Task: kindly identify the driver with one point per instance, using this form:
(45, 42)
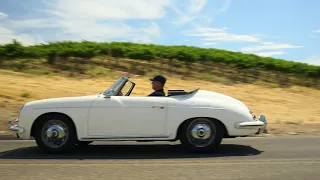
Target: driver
(158, 83)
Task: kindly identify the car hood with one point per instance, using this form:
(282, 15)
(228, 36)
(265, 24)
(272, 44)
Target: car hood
(64, 102)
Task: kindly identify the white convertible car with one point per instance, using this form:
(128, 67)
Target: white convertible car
(200, 119)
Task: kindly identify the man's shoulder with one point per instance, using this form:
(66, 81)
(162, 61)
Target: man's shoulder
(157, 93)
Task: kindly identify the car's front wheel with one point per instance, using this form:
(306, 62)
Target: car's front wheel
(55, 134)
(201, 135)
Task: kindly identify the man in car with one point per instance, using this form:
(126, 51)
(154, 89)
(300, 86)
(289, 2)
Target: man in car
(158, 83)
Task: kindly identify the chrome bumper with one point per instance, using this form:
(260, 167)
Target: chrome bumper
(260, 123)
(15, 127)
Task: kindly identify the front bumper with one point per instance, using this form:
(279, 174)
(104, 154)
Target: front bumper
(260, 124)
(14, 127)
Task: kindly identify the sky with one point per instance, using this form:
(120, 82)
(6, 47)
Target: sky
(286, 29)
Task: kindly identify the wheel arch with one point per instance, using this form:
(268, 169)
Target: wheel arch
(226, 133)
(40, 117)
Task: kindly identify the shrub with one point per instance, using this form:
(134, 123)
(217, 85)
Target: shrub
(87, 49)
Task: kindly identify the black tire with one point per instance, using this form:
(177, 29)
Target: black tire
(70, 137)
(211, 143)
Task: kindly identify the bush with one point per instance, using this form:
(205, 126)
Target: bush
(13, 50)
(87, 49)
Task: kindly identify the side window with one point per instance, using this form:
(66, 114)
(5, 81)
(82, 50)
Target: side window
(127, 89)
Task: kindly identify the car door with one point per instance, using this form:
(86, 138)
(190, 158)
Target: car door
(128, 117)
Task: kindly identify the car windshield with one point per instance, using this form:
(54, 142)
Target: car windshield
(115, 87)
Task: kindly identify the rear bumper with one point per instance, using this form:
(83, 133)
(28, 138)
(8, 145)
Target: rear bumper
(259, 124)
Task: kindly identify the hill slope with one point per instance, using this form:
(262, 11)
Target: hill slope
(31, 73)
(207, 64)
(287, 109)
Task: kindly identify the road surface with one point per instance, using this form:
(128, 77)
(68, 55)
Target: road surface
(273, 158)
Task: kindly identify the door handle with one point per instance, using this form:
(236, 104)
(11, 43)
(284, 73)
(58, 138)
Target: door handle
(161, 107)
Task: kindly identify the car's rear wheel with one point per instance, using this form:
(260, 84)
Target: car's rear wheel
(55, 134)
(201, 135)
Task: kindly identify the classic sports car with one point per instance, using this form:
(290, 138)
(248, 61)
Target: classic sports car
(200, 119)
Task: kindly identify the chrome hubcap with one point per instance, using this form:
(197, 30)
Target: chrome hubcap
(55, 133)
(202, 133)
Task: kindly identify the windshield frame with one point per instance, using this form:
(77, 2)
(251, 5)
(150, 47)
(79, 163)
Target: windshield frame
(116, 87)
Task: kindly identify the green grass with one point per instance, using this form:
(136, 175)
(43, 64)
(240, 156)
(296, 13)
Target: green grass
(25, 95)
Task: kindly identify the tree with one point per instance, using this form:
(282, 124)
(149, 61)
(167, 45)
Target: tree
(13, 50)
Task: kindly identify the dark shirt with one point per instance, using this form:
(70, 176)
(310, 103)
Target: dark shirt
(158, 93)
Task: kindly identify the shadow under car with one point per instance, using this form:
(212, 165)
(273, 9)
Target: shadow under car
(145, 151)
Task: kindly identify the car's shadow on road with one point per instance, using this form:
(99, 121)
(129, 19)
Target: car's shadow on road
(153, 151)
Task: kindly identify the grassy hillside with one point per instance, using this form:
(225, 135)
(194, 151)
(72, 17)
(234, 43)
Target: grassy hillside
(288, 109)
(269, 86)
(90, 58)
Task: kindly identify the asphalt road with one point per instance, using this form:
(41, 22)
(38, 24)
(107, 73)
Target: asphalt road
(241, 158)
